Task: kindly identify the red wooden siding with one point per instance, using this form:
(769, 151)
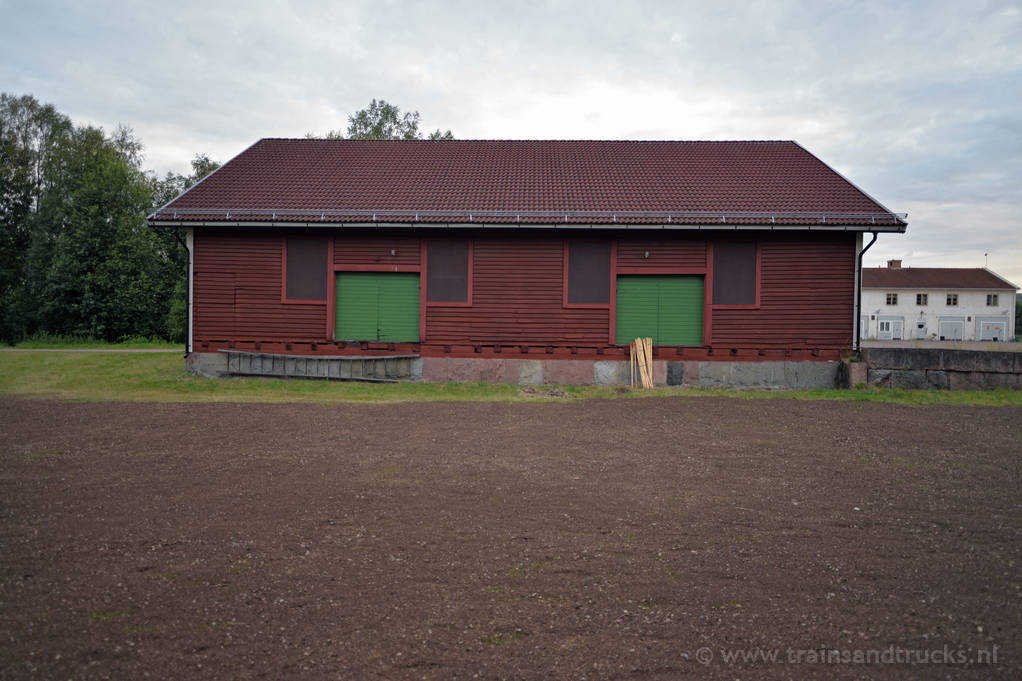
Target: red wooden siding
(806, 289)
(237, 288)
(375, 250)
(675, 252)
(213, 300)
(806, 296)
(517, 296)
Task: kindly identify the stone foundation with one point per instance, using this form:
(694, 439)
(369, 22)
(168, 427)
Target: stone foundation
(911, 368)
(208, 364)
(774, 374)
(614, 372)
(923, 368)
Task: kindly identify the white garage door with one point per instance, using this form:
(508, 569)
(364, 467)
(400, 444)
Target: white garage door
(992, 328)
(951, 329)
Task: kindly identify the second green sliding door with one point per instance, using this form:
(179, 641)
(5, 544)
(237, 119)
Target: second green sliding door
(666, 308)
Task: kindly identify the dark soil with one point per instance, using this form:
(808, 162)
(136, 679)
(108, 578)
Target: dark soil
(590, 539)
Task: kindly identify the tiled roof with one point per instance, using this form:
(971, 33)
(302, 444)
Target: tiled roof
(932, 277)
(526, 181)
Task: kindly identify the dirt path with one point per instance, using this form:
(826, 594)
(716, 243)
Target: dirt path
(598, 540)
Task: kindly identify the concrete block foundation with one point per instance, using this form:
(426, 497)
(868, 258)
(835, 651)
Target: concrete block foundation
(616, 372)
(208, 364)
(530, 371)
(775, 374)
(608, 372)
(450, 369)
(922, 368)
(568, 372)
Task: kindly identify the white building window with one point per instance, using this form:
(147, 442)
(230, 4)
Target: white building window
(892, 298)
(922, 298)
(991, 300)
(952, 299)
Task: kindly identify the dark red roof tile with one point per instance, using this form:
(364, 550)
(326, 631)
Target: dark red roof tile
(932, 277)
(452, 178)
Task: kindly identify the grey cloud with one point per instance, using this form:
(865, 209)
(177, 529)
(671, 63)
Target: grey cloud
(917, 102)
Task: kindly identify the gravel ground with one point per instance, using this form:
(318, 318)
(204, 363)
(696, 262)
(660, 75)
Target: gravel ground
(620, 539)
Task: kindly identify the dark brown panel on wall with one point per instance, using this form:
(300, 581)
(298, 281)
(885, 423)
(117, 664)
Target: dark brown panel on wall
(306, 269)
(588, 271)
(447, 271)
(734, 273)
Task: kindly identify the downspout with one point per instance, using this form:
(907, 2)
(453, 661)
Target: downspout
(858, 294)
(188, 291)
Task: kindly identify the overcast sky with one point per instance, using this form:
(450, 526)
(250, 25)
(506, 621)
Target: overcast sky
(918, 103)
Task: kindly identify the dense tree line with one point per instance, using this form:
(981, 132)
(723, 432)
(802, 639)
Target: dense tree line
(76, 254)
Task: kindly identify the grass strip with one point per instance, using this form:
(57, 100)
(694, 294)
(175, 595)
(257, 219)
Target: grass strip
(134, 377)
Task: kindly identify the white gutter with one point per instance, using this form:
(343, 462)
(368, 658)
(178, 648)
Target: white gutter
(717, 227)
(190, 241)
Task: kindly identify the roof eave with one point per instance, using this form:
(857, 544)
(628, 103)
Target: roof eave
(673, 226)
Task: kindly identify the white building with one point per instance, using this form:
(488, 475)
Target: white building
(929, 303)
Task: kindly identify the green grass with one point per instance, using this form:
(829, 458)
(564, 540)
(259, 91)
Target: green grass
(49, 341)
(104, 615)
(160, 377)
(44, 454)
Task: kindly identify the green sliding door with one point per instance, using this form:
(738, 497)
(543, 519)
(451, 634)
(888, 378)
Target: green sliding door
(666, 308)
(377, 306)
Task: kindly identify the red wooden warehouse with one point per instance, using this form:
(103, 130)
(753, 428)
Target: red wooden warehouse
(524, 261)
